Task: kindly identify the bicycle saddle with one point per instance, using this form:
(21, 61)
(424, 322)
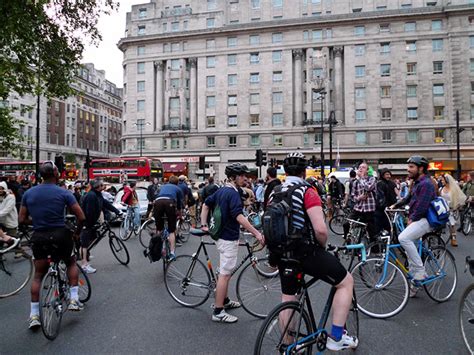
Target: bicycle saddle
(198, 232)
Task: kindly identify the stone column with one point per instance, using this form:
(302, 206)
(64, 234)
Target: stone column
(193, 94)
(298, 89)
(158, 123)
(166, 100)
(338, 85)
(308, 85)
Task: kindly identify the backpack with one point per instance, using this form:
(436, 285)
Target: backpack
(280, 234)
(438, 213)
(379, 196)
(191, 199)
(155, 247)
(215, 223)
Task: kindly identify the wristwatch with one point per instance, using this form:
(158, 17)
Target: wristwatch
(203, 225)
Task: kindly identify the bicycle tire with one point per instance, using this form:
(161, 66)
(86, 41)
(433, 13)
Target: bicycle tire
(370, 299)
(184, 228)
(51, 306)
(15, 273)
(124, 229)
(466, 317)
(119, 249)
(467, 222)
(270, 336)
(184, 290)
(336, 224)
(258, 294)
(443, 288)
(432, 239)
(84, 284)
(147, 229)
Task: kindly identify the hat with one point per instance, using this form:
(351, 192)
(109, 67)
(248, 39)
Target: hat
(4, 185)
(384, 171)
(182, 178)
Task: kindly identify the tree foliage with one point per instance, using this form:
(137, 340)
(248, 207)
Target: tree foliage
(41, 45)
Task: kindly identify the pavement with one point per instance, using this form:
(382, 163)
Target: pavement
(131, 312)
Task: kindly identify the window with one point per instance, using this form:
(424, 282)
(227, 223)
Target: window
(210, 62)
(210, 101)
(359, 49)
(255, 4)
(232, 100)
(385, 48)
(174, 83)
(211, 121)
(254, 58)
(277, 119)
(412, 113)
(317, 35)
(185, 25)
(361, 138)
(438, 113)
(277, 140)
(305, 35)
(254, 99)
(472, 87)
(165, 27)
(211, 142)
(142, 13)
(48, 137)
(438, 89)
(210, 81)
(254, 140)
(231, 41)
(471, 41)
(412, 137)
(232, 121)
(140, 68)
(277, 76)
(411, 46)
(360, 115)
(316, 116)
(438, 67)
(277, 37)
(140, 50)
(277, 98)
(277, 3)
(436, 25)
(317, 138)
(211, 22)
(359, 30)
(140, 86)
(174, 122)
(141, 30)
(232, 79)
(411, 90)
(385, 91)
(410, 26)
(386, 136)
(411, 68)
(254, 78)
(210, 44)
(384, 28)
(360, 71)
(276, 56)
(437, 45)
(254, 120)
(175, 64)
(385, 69)
(174, 26)
(386, 114)
(254, 39)
(140, 105)
(440, 135)
(471, 65)
(231, 59)
(360, 93)
(232, 141)
(174, 103)
(211, 4)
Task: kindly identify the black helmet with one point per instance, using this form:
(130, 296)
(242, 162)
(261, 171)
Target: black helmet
(418, 160)
(235, 169)
(295, 163)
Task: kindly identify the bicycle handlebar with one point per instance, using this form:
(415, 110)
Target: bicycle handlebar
(336, 248)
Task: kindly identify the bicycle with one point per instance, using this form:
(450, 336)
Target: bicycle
(466, 218)
(16, 269)
(291, 328)
(336, 223)
(383, 281)
(190, 283)
(357, 235)
(149, 232)
(466, 310)
(128, 227)
(183, 225)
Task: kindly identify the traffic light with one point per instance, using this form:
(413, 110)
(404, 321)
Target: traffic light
(264, 159)
(59, 162)
(87, 164)
(202, 163)
(259, 157)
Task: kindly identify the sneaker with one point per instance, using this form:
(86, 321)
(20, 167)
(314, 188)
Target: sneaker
(454, 242)
(34, 322)
(420, 275)
(346, 342)
(179, 242)
(172, 257)
(413, 290)
(75, 306)
(89, 269)
(224, 317)
(232, 304)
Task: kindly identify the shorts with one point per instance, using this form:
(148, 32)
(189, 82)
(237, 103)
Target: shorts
(319, 263)
(228, 250)
(87, 237)
(55, 242)
(165, 207)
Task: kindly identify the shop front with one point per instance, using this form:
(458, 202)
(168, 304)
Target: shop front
(176, 169)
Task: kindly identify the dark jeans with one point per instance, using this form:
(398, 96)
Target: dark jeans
(364, 217)
(381, 222)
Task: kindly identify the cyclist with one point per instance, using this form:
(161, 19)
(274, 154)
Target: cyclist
(310, 252)
(169, 202)
(468, 189)
(387, 196)
(348, 186)
(271, 181)
(151, 194)
(8, 211)
(46, 203)
(335, 192)
(230, 203)
(130, 198)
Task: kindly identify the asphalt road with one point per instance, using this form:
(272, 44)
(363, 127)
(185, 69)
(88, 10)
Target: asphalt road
(131, 312)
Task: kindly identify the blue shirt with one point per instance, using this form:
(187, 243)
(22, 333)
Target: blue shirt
(46, 204)
(173, 192)
(228, 198)
(184, 188)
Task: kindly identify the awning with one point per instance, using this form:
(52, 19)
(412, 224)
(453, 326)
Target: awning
(174, 167)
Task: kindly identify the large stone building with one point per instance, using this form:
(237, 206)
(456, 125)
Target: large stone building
(91, 119)
(222, 78)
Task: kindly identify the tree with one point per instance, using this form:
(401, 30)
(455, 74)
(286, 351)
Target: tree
(41, 45)
(70, 158)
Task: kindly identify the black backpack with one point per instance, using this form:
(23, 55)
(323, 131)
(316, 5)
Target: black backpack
(379, 195)
(155, 247)
(191, 199)
(280, 235)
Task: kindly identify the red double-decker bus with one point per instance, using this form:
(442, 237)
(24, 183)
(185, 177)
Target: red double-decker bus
(134, 168)
(26, 170)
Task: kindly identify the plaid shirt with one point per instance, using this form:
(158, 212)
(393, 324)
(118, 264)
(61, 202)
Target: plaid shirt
(363, 193)
(422, 194)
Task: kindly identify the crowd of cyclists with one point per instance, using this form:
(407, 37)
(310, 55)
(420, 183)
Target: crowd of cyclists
(314, 200)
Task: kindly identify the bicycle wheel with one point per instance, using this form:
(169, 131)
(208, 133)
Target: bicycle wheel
(336, 224)
(380, 296)
(119, 249)
(184, 227)
(466, 317)
(432, 240)
(15, 273)
(188, 281)
(441, 262)
(84, 284)
(467, 222)
(126, 229)
(285, 325)
(51, 306)
(147, 230)
(258, 293)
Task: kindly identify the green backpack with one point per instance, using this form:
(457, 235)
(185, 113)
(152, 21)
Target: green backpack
(215, 223)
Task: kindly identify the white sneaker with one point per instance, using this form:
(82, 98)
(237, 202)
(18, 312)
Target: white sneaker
(89, 269)
(346, 342)
(224, 317)
(420, 275)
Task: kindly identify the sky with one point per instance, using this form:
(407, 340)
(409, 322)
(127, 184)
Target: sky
(107, 56)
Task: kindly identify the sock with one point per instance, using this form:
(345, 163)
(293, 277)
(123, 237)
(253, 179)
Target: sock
(35, 309)
(226, 300)
(336, 332)
(218, 310)
(74, 293)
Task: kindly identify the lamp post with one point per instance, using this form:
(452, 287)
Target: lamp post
(458, 148)
(140, 127)
(332, 121)
(318, 80)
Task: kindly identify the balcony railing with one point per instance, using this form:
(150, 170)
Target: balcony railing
(312, 123)
(182, 127)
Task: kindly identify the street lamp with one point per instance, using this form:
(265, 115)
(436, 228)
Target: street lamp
(140, 126)
(318, 80)
(458, 148)
(331, 121)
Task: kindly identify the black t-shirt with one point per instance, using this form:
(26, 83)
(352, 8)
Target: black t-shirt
(271, 185)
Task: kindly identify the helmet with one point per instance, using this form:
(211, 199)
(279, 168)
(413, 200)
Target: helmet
(295, 163)
(182, 178)
(418, 160)
(235, 169)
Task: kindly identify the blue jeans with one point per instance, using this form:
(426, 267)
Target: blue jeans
(136, 220)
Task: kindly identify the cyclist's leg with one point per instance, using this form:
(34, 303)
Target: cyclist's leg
(170, 211)
(87, 237)
(407, 239)
(136, 221)
(158, 214)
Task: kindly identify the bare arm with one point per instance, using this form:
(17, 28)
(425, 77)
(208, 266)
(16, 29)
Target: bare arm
(23, 216)
(80, 217)
(204, 213)
(317, 220)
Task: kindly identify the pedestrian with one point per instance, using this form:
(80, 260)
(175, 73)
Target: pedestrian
(209, 189)
(348, 187)
(130, 199)
(151, 194)
(386, 196)
(8, 211)
(455, 198)
(271, 181)
(25, 185)
(259, 194)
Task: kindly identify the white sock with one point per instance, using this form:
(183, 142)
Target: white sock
(35, 309)
(75, 293)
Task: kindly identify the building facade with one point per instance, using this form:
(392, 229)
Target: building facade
(222, 78)
(91, 119)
